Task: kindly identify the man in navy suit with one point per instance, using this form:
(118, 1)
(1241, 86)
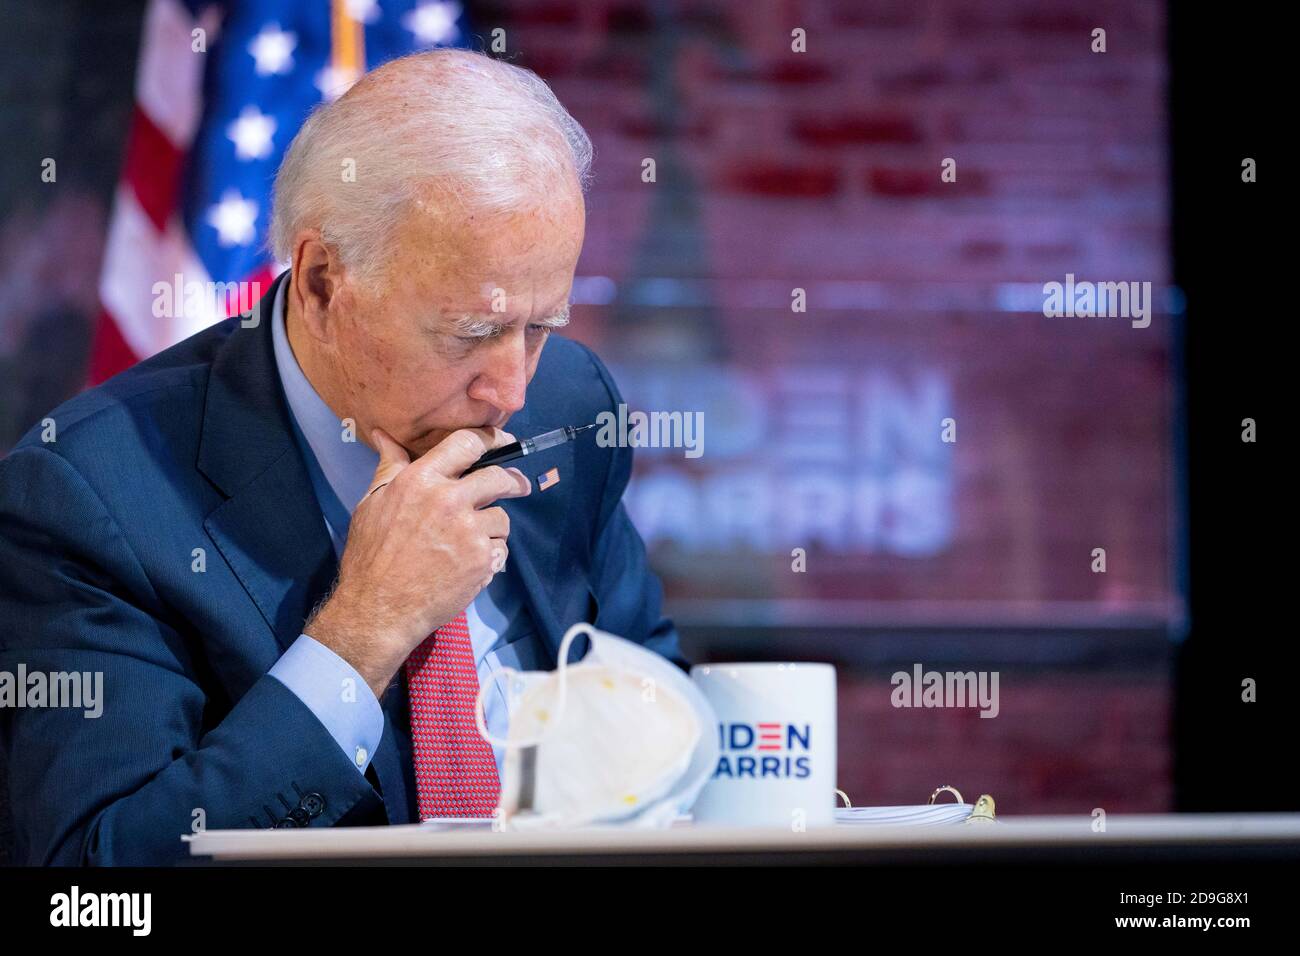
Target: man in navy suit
(260, 538)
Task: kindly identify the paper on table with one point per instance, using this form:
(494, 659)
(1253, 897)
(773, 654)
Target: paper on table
(922, 815)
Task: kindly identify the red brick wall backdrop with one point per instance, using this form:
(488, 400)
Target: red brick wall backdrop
(821, 170)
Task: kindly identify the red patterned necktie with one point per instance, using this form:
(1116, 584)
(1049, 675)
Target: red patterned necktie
(455, 771)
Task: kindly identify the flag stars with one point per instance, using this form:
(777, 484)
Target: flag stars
(251, 133)
(273, 50)
(234, 218)
(433, 23)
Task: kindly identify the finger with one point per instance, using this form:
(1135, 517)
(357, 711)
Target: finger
(494, 522)
(392, 459)
(451, 456)
(488, 484)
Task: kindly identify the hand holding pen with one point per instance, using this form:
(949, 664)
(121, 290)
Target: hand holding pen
(528, 446)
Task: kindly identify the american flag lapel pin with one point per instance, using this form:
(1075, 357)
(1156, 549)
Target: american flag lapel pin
(548, 479)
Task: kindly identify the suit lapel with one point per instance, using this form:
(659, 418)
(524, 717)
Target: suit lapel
(269, 529)
(537, 525)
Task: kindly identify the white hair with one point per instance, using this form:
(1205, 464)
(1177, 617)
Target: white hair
(486, 134)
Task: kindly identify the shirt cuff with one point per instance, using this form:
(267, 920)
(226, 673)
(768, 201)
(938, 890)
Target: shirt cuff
(338, 696)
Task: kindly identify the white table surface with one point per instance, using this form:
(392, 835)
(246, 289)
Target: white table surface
(415, 840)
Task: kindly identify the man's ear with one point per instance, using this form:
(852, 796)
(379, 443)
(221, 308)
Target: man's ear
(317, 281)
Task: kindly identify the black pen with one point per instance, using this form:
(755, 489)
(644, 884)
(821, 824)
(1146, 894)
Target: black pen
(527, 446)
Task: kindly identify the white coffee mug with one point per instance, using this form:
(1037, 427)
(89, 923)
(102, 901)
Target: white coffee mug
(776, 739)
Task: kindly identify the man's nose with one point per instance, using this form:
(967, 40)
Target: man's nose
(503, 380)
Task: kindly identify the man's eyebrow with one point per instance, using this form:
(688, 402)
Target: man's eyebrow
(472, 326)
(556, 320)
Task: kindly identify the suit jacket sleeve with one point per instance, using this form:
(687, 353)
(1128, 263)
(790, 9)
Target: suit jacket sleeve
(122, 788)
(629, 593)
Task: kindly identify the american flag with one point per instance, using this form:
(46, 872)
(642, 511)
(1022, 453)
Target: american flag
(221, 89)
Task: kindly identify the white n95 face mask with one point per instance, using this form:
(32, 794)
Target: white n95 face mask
(614, 738)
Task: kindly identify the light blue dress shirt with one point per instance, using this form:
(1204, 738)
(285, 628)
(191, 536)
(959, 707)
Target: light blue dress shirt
(341, 471)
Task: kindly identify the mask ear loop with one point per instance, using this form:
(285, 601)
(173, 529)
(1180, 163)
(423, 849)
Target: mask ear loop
(562, 670)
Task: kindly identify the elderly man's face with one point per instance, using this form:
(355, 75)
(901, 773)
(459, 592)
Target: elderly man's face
(411, 356)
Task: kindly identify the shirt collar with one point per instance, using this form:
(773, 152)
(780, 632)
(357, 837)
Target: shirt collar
(347, 466)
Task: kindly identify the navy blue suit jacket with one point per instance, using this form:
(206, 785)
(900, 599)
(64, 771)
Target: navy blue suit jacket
(194, 449)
